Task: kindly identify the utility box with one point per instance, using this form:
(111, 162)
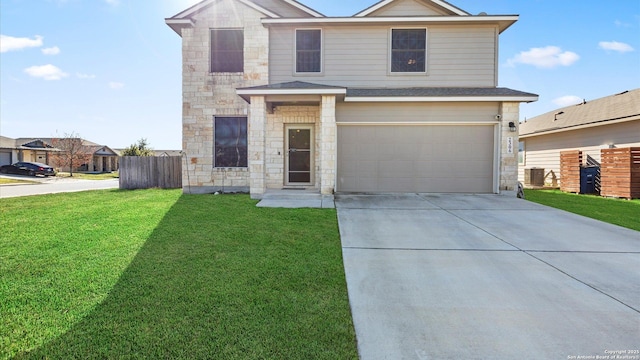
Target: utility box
(534, 177)
(589, 179)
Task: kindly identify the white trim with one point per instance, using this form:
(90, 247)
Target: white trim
(382, 4)
(196, 8)
(373, 8)
(450, 7)
(439, 98)
(418, 123)
(393, 20)
(497, 158)
(291, 91)
(306, 9)
(171, 21)
(295, 53)
(390, 50)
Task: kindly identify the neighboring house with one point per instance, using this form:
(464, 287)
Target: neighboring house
(25, 149)
(609, 122)
(401, 97)
(42, 149)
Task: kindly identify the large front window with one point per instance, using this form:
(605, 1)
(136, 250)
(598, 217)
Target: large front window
(408, 50)
(227, 50)
(308, 51)
(230, 149)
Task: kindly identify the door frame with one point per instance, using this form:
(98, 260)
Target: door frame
(312, 153)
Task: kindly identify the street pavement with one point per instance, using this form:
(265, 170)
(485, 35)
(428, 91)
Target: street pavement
(52, 185)
(449, 276)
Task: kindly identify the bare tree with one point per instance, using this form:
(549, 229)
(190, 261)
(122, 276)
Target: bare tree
(72, 151)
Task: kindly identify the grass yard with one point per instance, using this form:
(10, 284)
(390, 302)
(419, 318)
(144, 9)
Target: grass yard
(615, 211)
(158, 274)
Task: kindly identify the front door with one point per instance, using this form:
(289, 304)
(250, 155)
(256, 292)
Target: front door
(299, 153)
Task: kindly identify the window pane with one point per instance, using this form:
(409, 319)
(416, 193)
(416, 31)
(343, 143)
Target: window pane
(227, 50)
(408, 50)
(308, 50)
(230, 142)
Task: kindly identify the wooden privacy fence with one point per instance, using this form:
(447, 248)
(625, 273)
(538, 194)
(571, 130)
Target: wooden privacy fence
(144, 172)
(570, 164)
(620, 172)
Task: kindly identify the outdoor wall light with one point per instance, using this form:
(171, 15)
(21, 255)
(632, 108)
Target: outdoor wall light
(512, 126)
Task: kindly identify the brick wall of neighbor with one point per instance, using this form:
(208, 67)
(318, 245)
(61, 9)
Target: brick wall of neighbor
(509, 161)
(206, 95)
(275, 134)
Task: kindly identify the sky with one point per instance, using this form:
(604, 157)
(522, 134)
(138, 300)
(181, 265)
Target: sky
(110, 70)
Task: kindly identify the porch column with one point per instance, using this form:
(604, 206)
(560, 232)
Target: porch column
(90, 164)
(509, 147)
(328, 145)
(256, 143)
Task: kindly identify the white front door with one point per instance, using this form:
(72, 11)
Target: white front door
(299, 154)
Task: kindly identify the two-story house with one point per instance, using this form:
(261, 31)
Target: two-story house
(400, 97)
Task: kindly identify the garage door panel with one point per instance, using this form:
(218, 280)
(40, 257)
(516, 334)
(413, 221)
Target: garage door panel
(425, 158)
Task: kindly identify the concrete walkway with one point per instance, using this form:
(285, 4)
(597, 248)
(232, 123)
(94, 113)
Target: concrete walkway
(52, 185)
(296, 199)
(486, 277)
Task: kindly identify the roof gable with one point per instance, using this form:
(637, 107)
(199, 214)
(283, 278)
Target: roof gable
(620, 107)
(412, 8)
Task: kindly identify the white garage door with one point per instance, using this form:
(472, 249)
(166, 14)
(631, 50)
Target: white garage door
(429, 158)
(5, 158)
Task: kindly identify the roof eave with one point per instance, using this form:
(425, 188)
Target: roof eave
(178, 24)
(579, 127)
(504, 21)
(246, 94)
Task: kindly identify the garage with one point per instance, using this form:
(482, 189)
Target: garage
(5, 158)
(457, 158)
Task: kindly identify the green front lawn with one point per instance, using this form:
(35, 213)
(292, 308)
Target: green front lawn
(158, 274)
(615, 211)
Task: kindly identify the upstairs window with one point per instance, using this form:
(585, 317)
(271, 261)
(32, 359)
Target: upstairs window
(227, 50)
(408, 50)
(230, 149)
(308, 51)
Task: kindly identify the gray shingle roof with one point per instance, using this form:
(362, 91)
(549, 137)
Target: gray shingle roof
(622, 106)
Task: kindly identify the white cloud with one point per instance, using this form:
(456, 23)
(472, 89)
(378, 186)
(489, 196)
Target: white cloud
(116, 85)
(615, 46)
(47, 72)
(113, 2)
(85, 76)
(546, 57)
(10, 43)
(622, 24)
(51, 51)
(567, 100)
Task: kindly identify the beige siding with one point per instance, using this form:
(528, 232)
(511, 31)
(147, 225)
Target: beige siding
(544, 151)
(281, 8)
(359, 56)
(407, 8)
(416, 112)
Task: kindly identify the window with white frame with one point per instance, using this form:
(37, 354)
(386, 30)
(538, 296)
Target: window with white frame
(227, 50)
(408, 50)
(230, 148)
(308, 50)
(521, 153)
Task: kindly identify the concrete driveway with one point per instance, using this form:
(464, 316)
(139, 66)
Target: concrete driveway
(487, 277)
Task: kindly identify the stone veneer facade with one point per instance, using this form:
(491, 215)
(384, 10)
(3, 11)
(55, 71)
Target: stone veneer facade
(207, 94)
(509, 157)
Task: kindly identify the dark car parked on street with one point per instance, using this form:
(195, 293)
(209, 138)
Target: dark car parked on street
(28, 168)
